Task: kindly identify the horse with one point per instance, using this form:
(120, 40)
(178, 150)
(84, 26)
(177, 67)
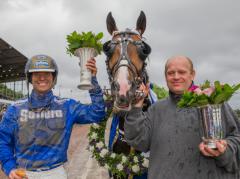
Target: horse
(126, 64)
(126, 61)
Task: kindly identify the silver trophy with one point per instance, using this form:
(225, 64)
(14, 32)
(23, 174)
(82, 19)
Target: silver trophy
(211, 124)
(85, 54)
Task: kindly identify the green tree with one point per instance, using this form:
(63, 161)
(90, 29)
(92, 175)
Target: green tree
(9, 93)
(161, 92)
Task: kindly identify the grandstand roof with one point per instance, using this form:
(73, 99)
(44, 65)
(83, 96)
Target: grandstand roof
(12, 63)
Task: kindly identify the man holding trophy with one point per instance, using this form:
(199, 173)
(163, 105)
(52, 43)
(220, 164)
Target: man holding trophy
(173, 135)
(35, 132)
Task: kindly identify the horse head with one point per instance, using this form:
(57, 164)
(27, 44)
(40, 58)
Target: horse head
(126, 61)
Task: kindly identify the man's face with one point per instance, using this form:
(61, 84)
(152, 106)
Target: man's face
(42, 81)
(179, 75)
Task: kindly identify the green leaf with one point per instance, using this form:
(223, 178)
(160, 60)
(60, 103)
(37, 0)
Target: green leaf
(86, 39)
(99, 36)
(237, 87)
(206, 84)
(160, 91)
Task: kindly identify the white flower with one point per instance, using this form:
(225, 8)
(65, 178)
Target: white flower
(106, 166)
(99, 145)
(113, 155)
(120, 167)
(103, 152)
(91, 148)
(124, 159)
(95, 126)
(145, 162)
(135, 159)
(135, 168)
(104, 97)
(94, 135)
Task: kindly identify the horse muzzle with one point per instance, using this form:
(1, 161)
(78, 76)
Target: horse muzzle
(123, 102)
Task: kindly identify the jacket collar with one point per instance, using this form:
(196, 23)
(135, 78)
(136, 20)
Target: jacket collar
(39, 101)
(175, 97)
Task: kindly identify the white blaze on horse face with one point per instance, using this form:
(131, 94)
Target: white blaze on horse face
(122, 78)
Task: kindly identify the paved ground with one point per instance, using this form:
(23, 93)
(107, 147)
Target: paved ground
(81, 165)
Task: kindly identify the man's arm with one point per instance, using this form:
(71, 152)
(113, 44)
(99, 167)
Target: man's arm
(7, 126)
(138, 128)
(231, 158)
(138, 125)
(93, 112)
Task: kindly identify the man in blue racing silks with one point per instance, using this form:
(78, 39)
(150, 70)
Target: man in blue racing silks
(35, 132)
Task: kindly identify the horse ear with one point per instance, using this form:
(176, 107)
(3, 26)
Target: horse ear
(111, 25)
(141, 23)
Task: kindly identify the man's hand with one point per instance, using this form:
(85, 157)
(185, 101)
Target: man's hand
(221, 148)
(91, 65)
(15, 174)
(142, 92)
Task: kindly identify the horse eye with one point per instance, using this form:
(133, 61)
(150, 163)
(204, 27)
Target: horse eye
(144, 50)
(108, 48)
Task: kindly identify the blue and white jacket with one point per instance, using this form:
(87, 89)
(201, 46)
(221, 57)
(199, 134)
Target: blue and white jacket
(35, 132)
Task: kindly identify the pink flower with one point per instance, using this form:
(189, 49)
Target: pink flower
(208, 91)
(198, 91)
(193, 87)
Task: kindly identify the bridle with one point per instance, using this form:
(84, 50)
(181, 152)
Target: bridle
(124, 39)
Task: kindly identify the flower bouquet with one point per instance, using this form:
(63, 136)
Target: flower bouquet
(209, 99)
(84, 46)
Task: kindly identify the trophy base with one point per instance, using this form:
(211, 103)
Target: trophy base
(85, 86)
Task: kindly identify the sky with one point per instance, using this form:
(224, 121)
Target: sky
(207, 31)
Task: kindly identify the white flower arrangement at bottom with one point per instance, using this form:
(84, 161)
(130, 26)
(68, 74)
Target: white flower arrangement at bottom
(119, 165)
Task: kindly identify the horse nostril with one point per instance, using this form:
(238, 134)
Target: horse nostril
(122, 99)
(115, 86)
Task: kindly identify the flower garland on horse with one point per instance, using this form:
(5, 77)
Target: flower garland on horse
(120, 165)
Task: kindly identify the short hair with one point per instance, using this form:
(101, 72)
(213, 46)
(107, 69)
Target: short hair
(175, 57)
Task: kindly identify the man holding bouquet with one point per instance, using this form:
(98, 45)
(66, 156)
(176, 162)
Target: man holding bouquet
(173, 135)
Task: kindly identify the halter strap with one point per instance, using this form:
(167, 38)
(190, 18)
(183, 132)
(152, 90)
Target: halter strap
(124, 40)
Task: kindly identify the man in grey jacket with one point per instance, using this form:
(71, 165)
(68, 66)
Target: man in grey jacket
(173, 135)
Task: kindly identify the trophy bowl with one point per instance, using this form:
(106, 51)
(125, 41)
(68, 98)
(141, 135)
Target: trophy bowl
(84, 55)
(211, 124)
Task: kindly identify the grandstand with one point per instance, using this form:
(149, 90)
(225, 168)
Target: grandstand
(12, 76)
(12, 64)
